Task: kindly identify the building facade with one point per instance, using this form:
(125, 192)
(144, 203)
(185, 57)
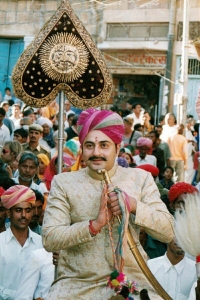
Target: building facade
(141, 41)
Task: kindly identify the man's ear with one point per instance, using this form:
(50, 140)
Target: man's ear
(118, 147)
(8, 213)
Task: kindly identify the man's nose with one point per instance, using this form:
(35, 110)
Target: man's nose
(96, 150)
(35, 211)
(23, 213)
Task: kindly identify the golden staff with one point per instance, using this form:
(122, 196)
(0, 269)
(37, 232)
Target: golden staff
(136, 253)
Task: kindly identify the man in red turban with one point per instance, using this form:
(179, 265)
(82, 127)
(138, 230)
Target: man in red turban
(177, 191)
(80, 207)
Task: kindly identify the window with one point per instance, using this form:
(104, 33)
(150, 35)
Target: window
(143, 31)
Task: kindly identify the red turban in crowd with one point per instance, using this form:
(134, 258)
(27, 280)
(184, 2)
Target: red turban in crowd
(149, 168)
(143, 141)
(17, 194)
(180, 188)
(1, 191)
(108, 122)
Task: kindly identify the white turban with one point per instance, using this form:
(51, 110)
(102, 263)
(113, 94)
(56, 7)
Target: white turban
(42, 120)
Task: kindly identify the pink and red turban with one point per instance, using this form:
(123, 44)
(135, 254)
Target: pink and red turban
(1, 191)
(149, 168)
(108, 122)
(143, 141)
(17, 194)
(180, 188)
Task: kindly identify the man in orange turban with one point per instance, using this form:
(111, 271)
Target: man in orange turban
(18, 240)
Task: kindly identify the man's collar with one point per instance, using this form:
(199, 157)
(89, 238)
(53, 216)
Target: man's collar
(10, 235)
(97, 176)
(38, 147)
(179, 267)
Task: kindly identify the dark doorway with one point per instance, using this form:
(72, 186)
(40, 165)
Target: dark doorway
(142, 88)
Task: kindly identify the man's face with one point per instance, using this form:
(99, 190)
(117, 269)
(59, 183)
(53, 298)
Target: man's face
(129, 106)
(32, 117)
(6, 154)
(8, 92)
(67, 106)
(143, 151)
(6, 107)
(34, 136)
(20, 215)
(37, 211)
(27, 170)
(146, 117)
(159, 129)
(138, 109)
(99, 151)
(152, 136)
(19, 138)
(179, 202)
(46, 129)
(2, 214)
(171, 120)
(16, 110)
(1, 119)
(175, 248)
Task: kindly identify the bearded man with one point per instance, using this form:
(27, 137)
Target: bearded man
(79, 208)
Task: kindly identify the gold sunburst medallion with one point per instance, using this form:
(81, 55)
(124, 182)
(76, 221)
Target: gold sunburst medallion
(63, 57)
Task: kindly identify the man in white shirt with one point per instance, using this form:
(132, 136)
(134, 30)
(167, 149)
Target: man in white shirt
(36, 277)
(16, 114)
(137, 114)
(18, 240)
(4, 131)
(175, 272)
(144, 146)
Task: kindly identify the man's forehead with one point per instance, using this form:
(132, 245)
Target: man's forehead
(96, 136)
(23, 204)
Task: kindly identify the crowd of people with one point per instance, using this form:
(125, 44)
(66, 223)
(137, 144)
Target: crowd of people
(145, 160)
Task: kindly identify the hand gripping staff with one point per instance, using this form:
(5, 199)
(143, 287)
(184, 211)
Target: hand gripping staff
(136, 253)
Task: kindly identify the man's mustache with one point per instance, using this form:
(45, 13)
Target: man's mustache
(97, 157)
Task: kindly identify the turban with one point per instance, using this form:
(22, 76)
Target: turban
(17, 194)
(1, 191)
(42, 120)
(106, 121)
(142, 141)
(122, 162)
(149, 168)
(44, 159)
(180, 188)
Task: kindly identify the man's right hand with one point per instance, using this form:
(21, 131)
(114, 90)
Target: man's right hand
(101, 219)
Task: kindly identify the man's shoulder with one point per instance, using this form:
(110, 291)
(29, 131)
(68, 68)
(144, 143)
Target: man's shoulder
(25, 146)
(190, 262)
(156, 261)
(70, 176)
(43, 148)
(37, 239)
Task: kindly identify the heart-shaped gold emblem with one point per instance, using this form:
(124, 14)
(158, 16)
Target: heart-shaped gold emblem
(64, 57)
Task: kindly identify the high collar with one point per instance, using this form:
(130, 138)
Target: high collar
(97, 176)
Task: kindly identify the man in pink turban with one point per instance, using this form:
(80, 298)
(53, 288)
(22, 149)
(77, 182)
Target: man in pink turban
(18, 240)
(80, 207)
(144, 157)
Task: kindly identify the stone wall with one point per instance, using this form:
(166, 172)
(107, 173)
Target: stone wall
(20, 18)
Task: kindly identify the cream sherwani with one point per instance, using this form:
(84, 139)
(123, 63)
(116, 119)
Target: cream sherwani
(85, 261)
